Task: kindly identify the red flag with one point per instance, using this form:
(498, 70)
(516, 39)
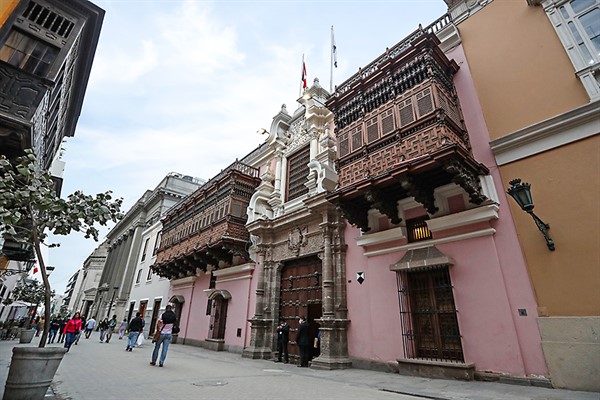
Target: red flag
(35, 270)
(304, 85)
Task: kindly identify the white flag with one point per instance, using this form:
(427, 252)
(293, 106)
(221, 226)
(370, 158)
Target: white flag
(333, 49)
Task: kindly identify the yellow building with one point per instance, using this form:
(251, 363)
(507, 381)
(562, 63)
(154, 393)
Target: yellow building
(536, 68)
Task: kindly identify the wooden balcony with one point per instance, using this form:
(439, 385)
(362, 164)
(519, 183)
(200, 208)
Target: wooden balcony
(400, 132)
(208, 227)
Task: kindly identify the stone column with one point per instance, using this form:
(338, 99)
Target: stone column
(334, 325)
(259, 347)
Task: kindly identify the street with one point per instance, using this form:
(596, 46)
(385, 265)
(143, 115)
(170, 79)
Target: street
(94, 370)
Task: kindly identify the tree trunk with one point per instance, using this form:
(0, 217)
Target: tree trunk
(47, 290)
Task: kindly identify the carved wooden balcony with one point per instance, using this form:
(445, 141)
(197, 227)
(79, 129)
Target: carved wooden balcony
(208, 227)
(400, 132)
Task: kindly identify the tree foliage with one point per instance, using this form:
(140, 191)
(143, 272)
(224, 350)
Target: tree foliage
(30, 209)
(30, 291)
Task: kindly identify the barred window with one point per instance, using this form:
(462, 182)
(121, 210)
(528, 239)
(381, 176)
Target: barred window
(430, 328)
(417, 229)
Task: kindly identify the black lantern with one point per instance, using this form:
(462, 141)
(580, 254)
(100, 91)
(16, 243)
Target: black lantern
(521, 192)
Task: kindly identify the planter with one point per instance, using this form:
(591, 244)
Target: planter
(26, 335)
(31, 372)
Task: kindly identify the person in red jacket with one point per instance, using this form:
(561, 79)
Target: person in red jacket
(72, 329)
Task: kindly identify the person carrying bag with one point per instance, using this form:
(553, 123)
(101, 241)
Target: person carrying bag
(168, 326)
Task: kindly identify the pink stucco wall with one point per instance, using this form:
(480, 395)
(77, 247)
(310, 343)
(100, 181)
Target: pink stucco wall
(512, 264)
(237, 310)
(195, 323)
(374, 332)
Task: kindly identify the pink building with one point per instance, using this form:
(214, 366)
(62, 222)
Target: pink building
(377, 213)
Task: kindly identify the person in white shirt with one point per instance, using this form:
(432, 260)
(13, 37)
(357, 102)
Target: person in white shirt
(90, 325)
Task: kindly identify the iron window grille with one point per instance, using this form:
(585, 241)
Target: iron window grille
(417, 229)
(428, 315)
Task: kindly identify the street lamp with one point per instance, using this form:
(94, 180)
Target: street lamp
(521, 192)
(112, 299)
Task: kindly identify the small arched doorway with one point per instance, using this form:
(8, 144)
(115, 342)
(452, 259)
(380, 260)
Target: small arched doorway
(218, 313)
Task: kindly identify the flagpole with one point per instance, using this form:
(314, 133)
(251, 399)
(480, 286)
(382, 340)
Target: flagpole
(302, 75)
(331, 64)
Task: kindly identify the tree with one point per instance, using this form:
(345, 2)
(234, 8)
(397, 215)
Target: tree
(30, 209)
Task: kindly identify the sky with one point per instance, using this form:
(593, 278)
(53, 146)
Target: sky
(185, 85)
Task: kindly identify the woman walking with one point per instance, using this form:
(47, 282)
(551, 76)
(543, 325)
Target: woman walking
(72, 328)
(123, 328)
(167, 325)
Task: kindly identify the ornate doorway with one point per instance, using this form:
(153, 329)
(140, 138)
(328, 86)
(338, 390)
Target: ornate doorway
(301, 295)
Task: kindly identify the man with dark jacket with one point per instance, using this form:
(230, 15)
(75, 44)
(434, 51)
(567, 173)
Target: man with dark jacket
(283, 337)
(136, 326)
(303, 342)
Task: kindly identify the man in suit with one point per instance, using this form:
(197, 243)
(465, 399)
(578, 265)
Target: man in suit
(303, 342)
(283, 337)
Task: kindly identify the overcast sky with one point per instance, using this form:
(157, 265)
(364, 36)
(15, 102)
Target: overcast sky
(185, 85)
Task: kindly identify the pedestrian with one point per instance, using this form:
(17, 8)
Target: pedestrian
(72, 328)
(90, 325)
(40, 326)
(83, 320)
(103, 328)
(61, 330)
(316, 350)
(136, 326)
(167, 325)
(283, 337)
(54, 327)
(302, 340)
(122, 328)
(112, 324)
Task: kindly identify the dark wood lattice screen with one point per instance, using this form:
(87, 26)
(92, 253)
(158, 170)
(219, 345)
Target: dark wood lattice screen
(297, 173)
(428, 315)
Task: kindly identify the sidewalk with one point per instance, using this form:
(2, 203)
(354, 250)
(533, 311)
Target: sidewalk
(94, 370)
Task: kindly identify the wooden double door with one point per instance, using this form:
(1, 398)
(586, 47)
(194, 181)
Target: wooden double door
(301, 296)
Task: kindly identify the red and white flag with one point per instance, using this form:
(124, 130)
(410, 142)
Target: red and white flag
(304, 84)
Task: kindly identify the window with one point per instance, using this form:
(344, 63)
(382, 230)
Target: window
(149, 277)
(28, 53)
(577, 23)
(139, 276)
(583, 21)
(428, 315)
(417, 229)
(298, 173)
(145, 249)
(157, 243)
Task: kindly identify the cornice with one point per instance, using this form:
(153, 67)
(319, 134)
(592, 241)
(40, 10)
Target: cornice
(386, 236)
(432, 242)
(573, 125)
(234, 270)
(464, 218)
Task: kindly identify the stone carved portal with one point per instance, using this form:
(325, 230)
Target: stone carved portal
(303, 274)
(300, 296)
